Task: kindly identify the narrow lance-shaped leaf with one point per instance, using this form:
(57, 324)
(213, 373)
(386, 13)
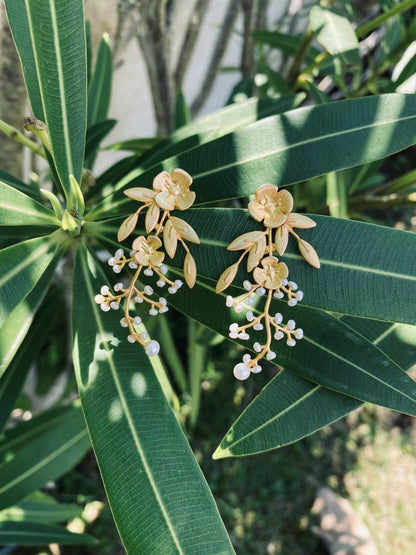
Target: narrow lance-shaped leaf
(163, 499)
(17, 209)
(288, 148)
(58, 43)
(23, 264)
(31, 534)
(366, 270)
(40, 450)
(288, 404)
(20, 28)
(330, 353)
(40, 507)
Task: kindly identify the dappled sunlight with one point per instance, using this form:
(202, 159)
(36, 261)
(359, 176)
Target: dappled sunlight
(138, 384)
(115, 412)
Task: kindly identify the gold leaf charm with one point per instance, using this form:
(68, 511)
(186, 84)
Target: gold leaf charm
(226, 278)
(183, 229)
(256, 253)
(170, 239)
(246, 240)
(189, 270)
(309, 253)
(141, 194)
(152, 217)
(127, 227)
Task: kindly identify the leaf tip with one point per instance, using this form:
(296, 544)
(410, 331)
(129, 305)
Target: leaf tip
(220, 453)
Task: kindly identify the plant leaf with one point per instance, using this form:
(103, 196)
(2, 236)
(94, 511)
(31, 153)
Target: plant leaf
(99, 90)
(127, 227)
(170, 239)
(40, 450)
(30, 533)
(226, 278)
(23, 264)
(366, 270)
(20, 28)
(183, 229)
(57, 35)
(336, 34)
(287, 148)
(17, 209)
(135, 435)
(13, 373)
(331, 353)
(40, 507)
(288, 403)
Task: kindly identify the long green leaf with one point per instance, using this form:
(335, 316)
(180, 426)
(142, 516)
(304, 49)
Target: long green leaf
(17, 209)
(29, 533)
(40, 507)
(14, 329)
(40, 450)
(20, 28)
(331, 353)
(13, 375)
(286, 409)
(22, 265)
(58, 41)
(288, 148)
(11, 180)
(157, 493)
(366, 270)
(99, 90)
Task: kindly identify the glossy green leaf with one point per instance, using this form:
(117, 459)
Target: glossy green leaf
(31, 534)
(19, 24)
(336, 34)
(13, 373)
(99, 90)
(159, 498)
(40, 507)
(22, 265)
(182, 113)
(58, 45)
(40, 450)
(17, 209)
(16, 183)
(139, 146)
(331, 353)
(286, 409)
(366, 270)
(288, 148)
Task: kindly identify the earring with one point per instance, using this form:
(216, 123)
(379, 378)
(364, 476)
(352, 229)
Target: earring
(270, 276)
(170, 192)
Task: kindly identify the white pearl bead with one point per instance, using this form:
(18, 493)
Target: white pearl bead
(152, 348)
(241, 372)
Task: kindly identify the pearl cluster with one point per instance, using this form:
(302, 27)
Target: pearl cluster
(132, 294)
(272, 323)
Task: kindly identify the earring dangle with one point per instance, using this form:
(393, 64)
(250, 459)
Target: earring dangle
(170, 192)
(270, 276)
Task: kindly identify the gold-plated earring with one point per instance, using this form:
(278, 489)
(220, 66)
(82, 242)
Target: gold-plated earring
(170, 192)
(270, 275)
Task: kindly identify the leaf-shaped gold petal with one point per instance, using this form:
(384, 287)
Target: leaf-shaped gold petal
(281, 239)
(300, 221)
(152, 217)
(226, 278)
(189, 270)
(141, 194)
(256, 253)
(170, 239)
(309, 253)
(127, 227)
(183, 229)
(245, 240)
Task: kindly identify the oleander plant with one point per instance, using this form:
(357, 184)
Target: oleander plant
(219, 225)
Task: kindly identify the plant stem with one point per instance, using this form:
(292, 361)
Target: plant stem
(399, 8)
(20, 138)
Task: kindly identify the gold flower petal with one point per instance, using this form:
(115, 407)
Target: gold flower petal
(156, 258)
(185, 201)
(266, 192)
(154, 242)
(181, 178)
(285, 200)
(274, 220)
(165, 200)
(159, 180)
